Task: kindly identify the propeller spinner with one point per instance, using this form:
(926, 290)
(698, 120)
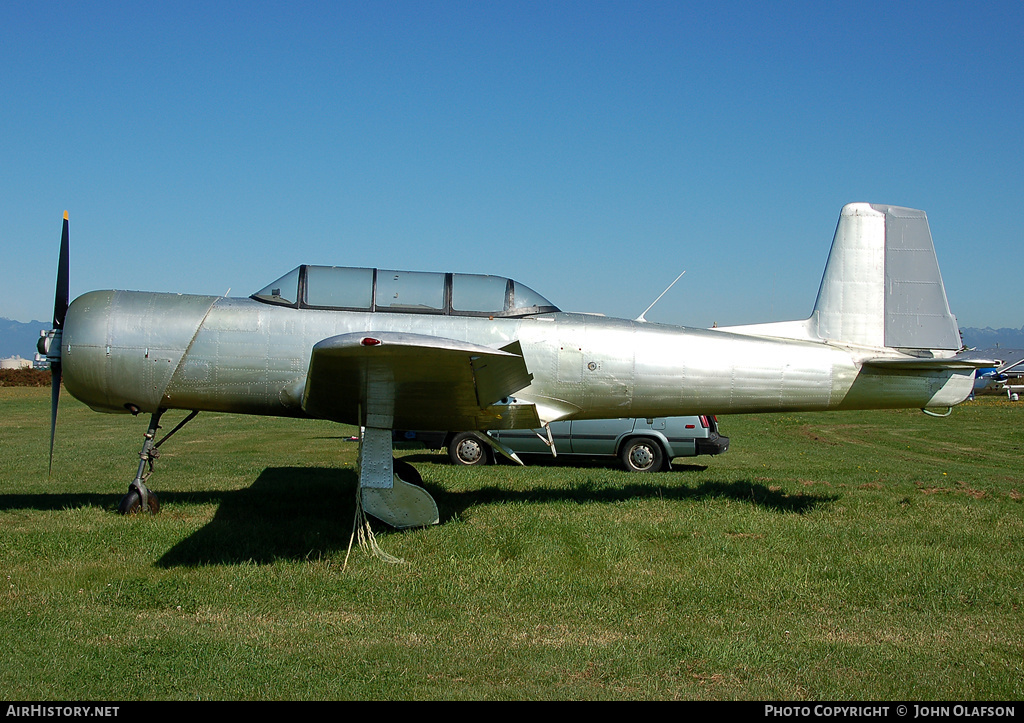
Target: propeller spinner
(50, 342)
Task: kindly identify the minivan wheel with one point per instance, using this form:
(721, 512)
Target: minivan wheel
(642, 455)
(467, 448)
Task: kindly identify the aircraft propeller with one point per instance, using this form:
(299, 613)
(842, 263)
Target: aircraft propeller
(50, 342)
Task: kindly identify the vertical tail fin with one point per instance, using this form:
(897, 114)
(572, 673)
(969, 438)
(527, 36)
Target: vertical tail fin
(882, 285)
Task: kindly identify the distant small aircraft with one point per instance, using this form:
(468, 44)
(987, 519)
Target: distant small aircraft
(387, 349)
(986, 377)
(999, 380)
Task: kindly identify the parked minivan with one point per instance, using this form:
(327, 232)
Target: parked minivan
(642, 445)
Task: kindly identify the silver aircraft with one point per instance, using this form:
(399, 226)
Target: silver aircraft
(387, 349)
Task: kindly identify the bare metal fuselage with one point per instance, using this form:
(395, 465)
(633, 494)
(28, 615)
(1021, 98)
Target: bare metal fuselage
(418, 350)
(140, 351)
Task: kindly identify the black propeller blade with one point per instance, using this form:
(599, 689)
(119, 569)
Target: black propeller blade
(60, 297)
(54, 400)
(60, 309)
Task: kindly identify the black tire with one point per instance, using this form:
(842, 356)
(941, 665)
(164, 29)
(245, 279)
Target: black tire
(467, 448)
(131, 503)
(642, 454)
(406, 472)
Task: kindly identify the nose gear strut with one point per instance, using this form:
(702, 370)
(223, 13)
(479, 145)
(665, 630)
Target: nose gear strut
(140, 498)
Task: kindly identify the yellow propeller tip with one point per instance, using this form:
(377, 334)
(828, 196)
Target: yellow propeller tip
(65, 215)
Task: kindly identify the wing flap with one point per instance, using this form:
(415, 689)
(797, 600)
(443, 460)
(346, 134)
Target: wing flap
(395, 380)
(497, 376)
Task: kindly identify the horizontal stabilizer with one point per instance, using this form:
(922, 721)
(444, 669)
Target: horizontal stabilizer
(958, 363)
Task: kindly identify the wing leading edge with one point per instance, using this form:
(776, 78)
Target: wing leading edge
(393, 380)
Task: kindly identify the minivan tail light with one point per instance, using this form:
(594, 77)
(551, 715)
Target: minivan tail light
(704, 421)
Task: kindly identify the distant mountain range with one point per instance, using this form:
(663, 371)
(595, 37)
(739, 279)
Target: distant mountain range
(19, 339)
(989, 338)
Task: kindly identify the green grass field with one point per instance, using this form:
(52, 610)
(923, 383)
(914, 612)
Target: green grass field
(827, 556)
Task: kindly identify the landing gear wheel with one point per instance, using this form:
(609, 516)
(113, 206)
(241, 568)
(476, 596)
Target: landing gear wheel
(406, 472)
(131, 503)
(467, 448)
(403, 505)
(642, 455)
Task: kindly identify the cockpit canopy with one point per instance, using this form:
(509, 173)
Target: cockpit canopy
(412, 292)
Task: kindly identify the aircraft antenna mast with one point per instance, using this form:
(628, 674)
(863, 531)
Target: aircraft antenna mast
(641, 317)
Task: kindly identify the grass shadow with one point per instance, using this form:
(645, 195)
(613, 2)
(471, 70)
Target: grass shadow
(298, 513)
(455, 503)
(47, 501)
(291, 513)
(546, 460)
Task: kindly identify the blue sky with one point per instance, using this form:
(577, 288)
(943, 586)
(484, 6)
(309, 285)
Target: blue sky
(591, 150)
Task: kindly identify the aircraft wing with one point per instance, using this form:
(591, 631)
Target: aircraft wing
(396, 380)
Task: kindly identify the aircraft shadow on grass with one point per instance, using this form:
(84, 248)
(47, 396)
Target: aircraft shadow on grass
(299, 513)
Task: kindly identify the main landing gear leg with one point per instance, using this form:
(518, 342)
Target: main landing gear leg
(390, 489)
